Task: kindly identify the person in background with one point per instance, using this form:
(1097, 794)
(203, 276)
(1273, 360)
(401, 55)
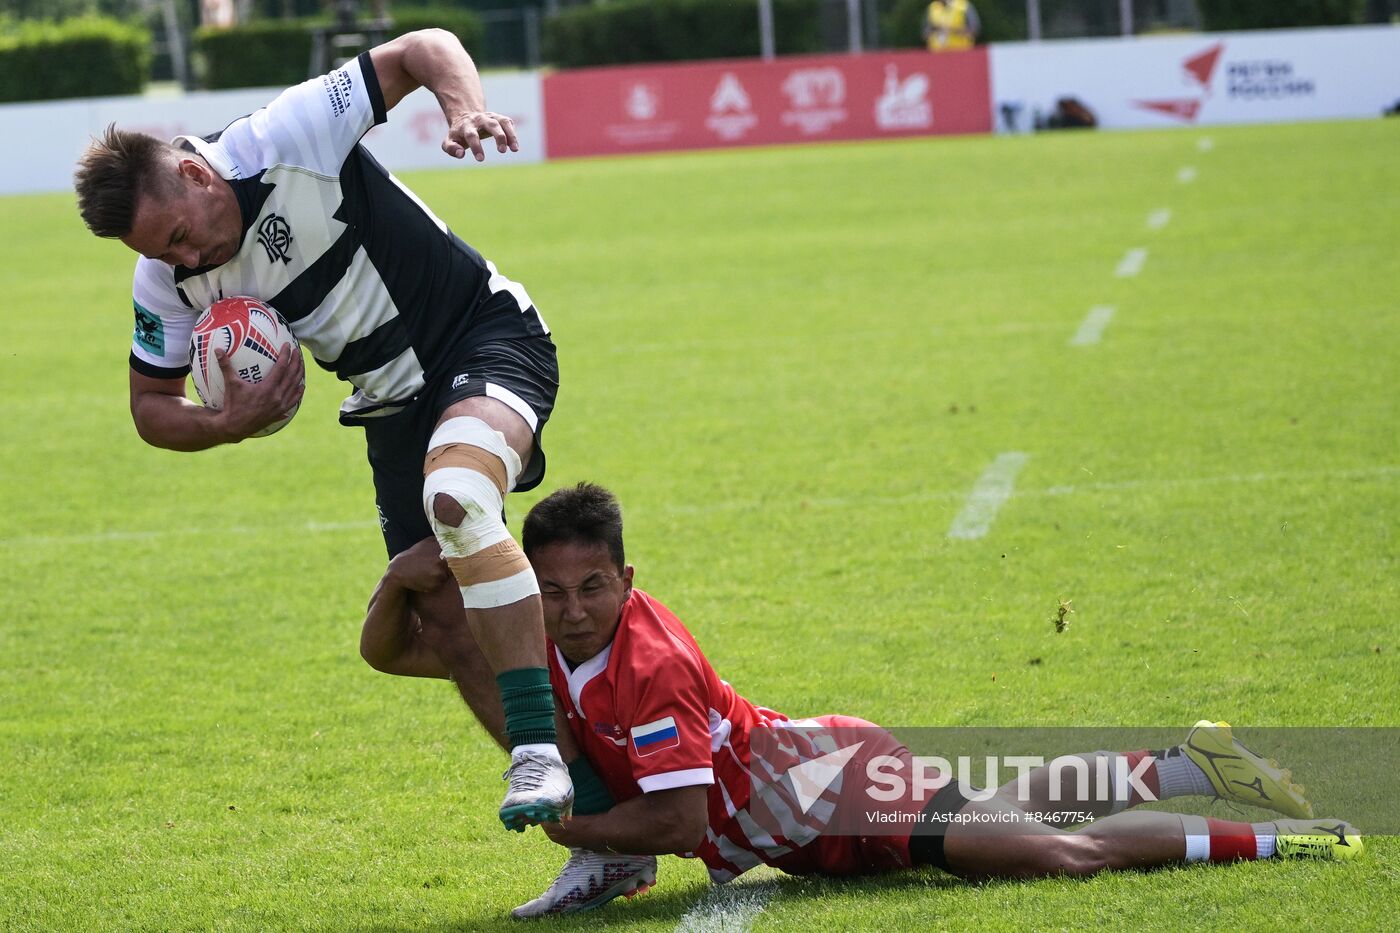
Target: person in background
(951, 25)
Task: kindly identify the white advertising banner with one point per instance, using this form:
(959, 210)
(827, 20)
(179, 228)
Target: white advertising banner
(42, 141)
(1229, 77)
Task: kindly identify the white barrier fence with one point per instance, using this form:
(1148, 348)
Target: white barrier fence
(1269, 76)
(1209, 78)
(44, 140)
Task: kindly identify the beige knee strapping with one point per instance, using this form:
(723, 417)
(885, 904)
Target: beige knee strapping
(473, 465)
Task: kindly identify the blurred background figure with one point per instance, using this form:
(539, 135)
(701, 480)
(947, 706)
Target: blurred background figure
(217, 13)
(951, 25)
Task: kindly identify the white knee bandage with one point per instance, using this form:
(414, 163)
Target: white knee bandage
(470, 462)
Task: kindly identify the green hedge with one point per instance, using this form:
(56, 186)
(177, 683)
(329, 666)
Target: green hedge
(89, 56)
(1270, 14)
(675, 30)
(277, 53)
(257, 54)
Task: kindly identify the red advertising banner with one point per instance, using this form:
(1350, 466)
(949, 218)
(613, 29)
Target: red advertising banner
(606, 111)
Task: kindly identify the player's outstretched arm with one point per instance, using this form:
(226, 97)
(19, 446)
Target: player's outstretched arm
(434, 59)
(391, 639)
(164, 417)
(659, 823)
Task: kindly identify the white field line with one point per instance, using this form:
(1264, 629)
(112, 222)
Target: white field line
(835, 338)
(233, 531)
(728, 908)
(1187, 174)
(953, 495)
(1205, 143)
(988, 495)
(1092, 327)
(1131, 263)
(747, 505)
(1159, 218)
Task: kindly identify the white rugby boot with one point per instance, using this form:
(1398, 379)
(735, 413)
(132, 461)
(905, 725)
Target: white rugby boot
(589, 880)
(539, 791)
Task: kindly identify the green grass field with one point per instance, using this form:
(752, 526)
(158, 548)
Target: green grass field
(792, 365)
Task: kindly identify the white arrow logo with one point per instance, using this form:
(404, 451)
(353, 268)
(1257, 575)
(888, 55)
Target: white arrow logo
(811, 778)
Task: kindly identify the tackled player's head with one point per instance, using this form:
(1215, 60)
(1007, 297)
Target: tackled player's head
(163, 202)
(573, 540)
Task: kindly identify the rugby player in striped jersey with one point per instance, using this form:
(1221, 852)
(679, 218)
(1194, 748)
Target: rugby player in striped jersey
(453, 370)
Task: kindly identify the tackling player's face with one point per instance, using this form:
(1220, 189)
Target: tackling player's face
(196, 223)
(583, 592)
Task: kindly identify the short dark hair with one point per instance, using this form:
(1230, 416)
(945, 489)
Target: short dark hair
(114, 173)
(584, 514)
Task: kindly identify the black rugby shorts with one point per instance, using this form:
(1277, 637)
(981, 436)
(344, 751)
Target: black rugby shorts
(507, 356)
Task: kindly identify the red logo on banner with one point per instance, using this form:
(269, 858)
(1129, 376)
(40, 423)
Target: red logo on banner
(1202, 66)
(600, 111)
(1199, 68)
(1181, 109)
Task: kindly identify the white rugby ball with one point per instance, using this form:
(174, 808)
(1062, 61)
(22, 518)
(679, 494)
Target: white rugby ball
(252, 334)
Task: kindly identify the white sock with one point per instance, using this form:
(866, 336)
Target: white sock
(1197, 838)
(1179, 776)
(547, 749)
(1265, 839)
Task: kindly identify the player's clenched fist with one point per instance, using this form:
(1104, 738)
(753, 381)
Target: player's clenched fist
(468, 130)
(250, 407)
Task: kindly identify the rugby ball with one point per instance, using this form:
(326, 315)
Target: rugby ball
(252, 334)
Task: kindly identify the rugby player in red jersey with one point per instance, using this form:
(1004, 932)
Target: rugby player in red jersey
(679, 752)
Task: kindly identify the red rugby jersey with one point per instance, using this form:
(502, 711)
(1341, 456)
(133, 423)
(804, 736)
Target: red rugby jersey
(650, 713)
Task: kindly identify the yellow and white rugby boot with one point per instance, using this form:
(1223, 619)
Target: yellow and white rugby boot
(1335, 840)
(1238, 774)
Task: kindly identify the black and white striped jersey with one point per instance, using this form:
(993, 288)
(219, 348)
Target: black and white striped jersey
(370, 280)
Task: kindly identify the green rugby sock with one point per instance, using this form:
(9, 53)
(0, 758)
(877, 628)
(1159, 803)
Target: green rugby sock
(590, 793)
(529, 706)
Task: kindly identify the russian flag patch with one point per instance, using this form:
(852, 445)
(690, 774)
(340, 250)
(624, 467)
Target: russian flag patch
(655, 736)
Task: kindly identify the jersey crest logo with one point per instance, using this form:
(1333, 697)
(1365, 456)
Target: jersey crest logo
(655, 736)
(275, 235)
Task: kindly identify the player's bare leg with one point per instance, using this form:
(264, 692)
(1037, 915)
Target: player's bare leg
(1072, 788)
(998, 840)
(478, 449)
(446, 631)
(1063, 793)
(1007, 844)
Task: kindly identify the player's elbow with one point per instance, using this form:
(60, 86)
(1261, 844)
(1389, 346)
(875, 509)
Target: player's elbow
(145, 426)
(376, 655)
(687, 831)
(374, 658)
(153, 423)
(149, 430)
(434, 37)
